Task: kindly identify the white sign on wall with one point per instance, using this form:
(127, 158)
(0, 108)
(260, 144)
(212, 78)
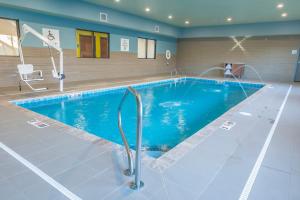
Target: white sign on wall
(52, 35)
(124, 44)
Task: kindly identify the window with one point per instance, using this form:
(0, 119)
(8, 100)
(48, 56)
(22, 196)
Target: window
(9, 37)
(146, 48)
(151, 49)
(142, 44)
(92, 44)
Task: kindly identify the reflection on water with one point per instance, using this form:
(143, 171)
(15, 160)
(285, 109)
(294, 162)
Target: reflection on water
(170, 104)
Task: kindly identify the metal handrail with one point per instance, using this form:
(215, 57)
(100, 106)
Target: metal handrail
(130, 170)
(137, 183)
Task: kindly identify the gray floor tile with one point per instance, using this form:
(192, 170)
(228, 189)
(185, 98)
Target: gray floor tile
(43, 191)
(26, 179)
(11, 169)
(124, 192)
(5, 158)
(102, 184)
(295, 158)
(106, 160)
(7, 189)
(295, 187)
(198, 168)
(13, 140)
(32, 148)
(87, 154)
(154, 181)
(60, 149)
(230, 181)
(173, 191)
(18, 196)
(280, 150)
(76, 175)
(270, 184)
(61, 164)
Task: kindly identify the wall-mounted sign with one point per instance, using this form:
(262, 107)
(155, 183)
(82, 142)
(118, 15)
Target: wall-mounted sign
(103, 17)
(124, 44)
(294, 52)
(52, 35)
(227, 125)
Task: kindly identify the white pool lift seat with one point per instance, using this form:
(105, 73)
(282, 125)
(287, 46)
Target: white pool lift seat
(27, 72)
(28, 75)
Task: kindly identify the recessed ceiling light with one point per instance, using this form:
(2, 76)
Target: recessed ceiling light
(229, 19)
(187, 22)
(170, 17)
(280, 5)
(147, 9)
(284, 15)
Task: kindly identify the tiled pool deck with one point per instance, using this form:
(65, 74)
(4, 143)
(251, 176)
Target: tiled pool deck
(212, 164)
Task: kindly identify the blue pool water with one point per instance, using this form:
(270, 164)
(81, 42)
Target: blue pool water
(171, 111)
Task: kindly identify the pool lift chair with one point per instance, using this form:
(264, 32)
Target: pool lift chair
(26, 71)
(28, 75)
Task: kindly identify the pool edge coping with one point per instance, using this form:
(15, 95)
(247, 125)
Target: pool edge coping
(168, 158)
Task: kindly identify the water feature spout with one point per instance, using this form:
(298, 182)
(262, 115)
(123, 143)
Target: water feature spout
(221, 68)
(253, 69)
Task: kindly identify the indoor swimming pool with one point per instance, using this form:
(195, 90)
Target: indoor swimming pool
(173, 109)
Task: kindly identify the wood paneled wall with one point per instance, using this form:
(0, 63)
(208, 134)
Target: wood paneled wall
(119, 65)
(271, 56)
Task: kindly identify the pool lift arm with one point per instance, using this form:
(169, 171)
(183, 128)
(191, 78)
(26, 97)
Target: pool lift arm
(27, 69)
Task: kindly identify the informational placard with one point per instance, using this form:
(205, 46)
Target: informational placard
(37, 123)
(227, 125)
(52, 35)
(124, 44)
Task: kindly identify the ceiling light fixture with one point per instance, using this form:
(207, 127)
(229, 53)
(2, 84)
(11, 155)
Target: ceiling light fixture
(170, 17)
(229, 19)
(284, 15)
(280, 5)
(147, 9)
(187, 22)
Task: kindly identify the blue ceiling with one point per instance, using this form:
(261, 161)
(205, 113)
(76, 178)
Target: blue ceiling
(207, 12)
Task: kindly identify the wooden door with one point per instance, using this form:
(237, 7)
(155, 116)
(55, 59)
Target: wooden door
(104, 47)
(86, 46)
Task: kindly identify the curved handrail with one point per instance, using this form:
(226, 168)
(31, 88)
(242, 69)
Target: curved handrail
(130, 170)
(137, 184)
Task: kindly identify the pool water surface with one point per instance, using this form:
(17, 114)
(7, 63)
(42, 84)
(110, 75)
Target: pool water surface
(172, 110)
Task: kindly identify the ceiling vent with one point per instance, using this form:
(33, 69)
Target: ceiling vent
(103, 17)
(156, 29)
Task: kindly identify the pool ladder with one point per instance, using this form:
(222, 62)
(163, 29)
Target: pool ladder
(137, 183)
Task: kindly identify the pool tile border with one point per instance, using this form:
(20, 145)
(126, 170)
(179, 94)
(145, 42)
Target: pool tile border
(102, 91)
